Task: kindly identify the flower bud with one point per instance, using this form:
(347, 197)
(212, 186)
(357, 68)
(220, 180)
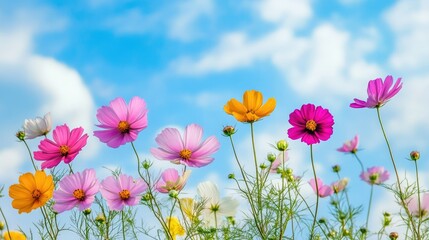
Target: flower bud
(100, 218)
(393, 235)
(322, 220)
(147, 164)
(231, 176)
(228, 131)
(387, 219)
(332, 234)
(415, 155)
(363, 230)
(346, 232)
(271, 157)
(1, 225)
(20, 135)
(336, 168)
(87, 211)
(173, 193)
(146, 197)
(231, 220)
(282, 145)
(263, 166)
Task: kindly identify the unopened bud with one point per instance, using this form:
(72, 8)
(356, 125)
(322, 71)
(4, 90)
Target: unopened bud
(87, 211)
(228, 131)
(336, 168)
(393, 235)
(322, 220)
(415, 155)
(100, 218)
(282, 145)
(231, 220)
(263, 166)
(231, 176)
(173, 193)
(146, 197)
(20, 135)
(1, 225)
(147, 164)
(271, 157)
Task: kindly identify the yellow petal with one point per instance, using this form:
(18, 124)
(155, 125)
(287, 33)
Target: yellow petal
(252, 100)
(267, 108)
(234, 106)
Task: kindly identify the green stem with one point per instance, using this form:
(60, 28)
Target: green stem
(317, 192)
(71, 169)
(31, 156)
(369, 208)
(123, 224)
(258, 187)
(281, 198)
(418, 198)
(5, 222)
(359, 161)
(401, 194)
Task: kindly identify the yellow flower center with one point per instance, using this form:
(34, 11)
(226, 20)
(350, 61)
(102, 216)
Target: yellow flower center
(124, 194)
(79, 194)
(124, 127)
(64, 150)
(311, 125)
(36, 194)
(185, 154)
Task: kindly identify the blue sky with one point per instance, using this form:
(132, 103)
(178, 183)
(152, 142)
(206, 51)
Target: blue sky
(188, 58)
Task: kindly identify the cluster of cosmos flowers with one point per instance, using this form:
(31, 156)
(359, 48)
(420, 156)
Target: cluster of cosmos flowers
(121, 122)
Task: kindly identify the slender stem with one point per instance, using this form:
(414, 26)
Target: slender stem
(281, 197)
(359, 161)
(291, 212)
(47, 223)
(29, 153)
(71, 169)
(369, 208)
(258, 187)
(348, 203)
(123, 224)
(317, 191)
(401, 194)
(5, 222)
(418, 198)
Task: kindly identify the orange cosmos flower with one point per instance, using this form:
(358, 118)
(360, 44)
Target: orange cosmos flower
(252, 109)
(32, 191)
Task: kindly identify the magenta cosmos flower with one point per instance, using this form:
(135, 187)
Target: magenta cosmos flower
(413, 205)
(65, 147)
(188, 150)
(375, 175)
(121, 122)
(324, 190)
(350, 146)
(379, 93)
(77, 189)
(170, 180)
(311, 124)
(122, 190)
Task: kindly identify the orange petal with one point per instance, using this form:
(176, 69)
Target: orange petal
(267, 108)
(240, 117)
(252, 100)
(234, 106)
(27, 181)
(17, 191)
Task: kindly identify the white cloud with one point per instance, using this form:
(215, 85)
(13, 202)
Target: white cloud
(10, 161)
(287, 12)
(205, 99)
(409, 22)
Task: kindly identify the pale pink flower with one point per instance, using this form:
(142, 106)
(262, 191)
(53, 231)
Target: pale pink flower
(413, 205)
(65, 147)
(350, 146)
(76, 190)
(121, 122)
(324, 190)
(37, 127)
(340, 185)
(188, 150)
(122, 190)
(375, 175)
(379, 93)
(278, 162)
(170, 180)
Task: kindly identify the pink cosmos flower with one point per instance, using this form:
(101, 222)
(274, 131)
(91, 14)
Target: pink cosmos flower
(375, 175)
(324, 190)
(170, 180)
(379, 93)
(340, 185)
(413, 205)
(278, 162)
(65, 147)
(121, 123)
(121, 191)
(350, 146)
(188, 150)
(311, 124)
(77, 189)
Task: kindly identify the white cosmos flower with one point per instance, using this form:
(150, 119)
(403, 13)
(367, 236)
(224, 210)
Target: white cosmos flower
(215, 208)
(37, 127)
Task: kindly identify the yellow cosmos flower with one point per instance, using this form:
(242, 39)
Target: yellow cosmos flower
(15, 235)
(252, 109)
(32, 191)
(174, 227)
